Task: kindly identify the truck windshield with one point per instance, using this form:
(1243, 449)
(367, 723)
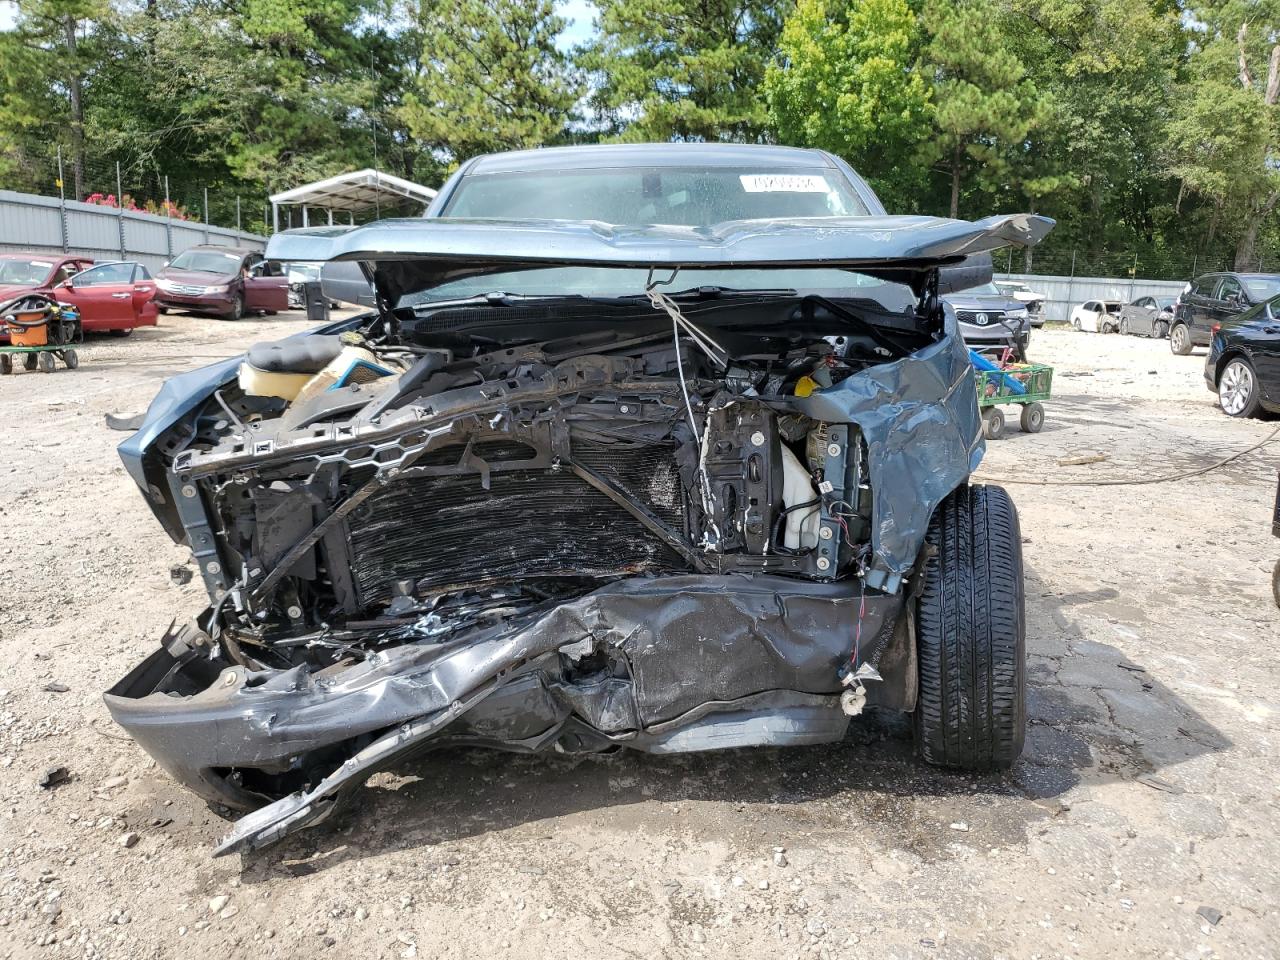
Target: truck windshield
(624, 281)
(675, 196)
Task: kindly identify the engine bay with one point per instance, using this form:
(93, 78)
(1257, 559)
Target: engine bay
(359, 490)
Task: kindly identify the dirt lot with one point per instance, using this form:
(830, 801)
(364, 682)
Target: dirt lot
(1142, 820)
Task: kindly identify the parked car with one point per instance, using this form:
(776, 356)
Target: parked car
(114, 297)
(606, 482)
(1097, 316)
(224, 282)
(1214, 299)
(1243, 365)
(990, 319)
(1032, 300)
(35, 273)
(117, 297)
(1147, 317)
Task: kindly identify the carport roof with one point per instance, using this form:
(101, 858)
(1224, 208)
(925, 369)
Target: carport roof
(355, 192)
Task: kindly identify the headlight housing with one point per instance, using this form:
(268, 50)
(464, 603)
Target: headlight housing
(164, 284)
(1019, 314)
(220, 288)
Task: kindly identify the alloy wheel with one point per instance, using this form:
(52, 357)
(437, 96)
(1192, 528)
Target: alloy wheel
(1235, 389)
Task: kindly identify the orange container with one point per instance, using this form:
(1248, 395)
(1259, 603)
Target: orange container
(36, 336)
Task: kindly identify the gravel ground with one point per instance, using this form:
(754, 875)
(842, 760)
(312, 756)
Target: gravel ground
(1142, 820)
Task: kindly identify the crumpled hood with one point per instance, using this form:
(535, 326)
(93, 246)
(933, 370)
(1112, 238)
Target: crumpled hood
(408, 256)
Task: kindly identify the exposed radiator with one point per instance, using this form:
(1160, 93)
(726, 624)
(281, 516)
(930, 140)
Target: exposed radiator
(448, 530)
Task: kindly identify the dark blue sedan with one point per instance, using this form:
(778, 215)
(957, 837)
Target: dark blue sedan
(1243, 365)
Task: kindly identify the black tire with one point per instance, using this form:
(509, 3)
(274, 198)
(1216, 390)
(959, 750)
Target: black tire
(45, 361)
(971, 635)
(1075, 322)
(71, 359)
(1032, 417)
(1238, 393)
(6, 364)
(29, 361)
(1124, 326)
(1159, 330)
(237, 308)
(1180, 339)
(992, 423)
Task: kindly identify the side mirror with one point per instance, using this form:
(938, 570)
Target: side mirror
(973, 271)
(66, 284)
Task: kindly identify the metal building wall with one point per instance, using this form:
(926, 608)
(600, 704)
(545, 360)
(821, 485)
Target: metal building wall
(48, 225)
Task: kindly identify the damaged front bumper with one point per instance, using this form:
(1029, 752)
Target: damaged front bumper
(610, 669)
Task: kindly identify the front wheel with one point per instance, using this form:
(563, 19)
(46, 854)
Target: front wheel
(1124, 326)
(1180, 340)
(1075, 322)
(1159, 330)
(1238, 389)
(237, 308)
(971, 634)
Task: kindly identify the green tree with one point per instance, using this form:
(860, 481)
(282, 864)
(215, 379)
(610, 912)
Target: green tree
(1222, 140)
(490, 77)
(984, 104)
(45, 62)
(847, 81)
(1106, 71)
(682, 69)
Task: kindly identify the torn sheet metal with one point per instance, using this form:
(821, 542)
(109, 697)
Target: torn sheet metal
(742, 637)
(919, 416)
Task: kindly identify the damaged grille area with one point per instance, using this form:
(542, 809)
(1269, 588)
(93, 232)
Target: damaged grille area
(448, 531)
(646, 473)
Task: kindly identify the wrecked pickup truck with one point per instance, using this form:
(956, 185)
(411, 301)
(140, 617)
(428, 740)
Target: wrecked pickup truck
(617, 501)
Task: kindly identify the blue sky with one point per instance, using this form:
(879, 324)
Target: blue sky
(579, 14)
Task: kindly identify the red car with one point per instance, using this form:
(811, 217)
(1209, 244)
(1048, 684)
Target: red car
(115, 296)
(226, 282)
(112, 297)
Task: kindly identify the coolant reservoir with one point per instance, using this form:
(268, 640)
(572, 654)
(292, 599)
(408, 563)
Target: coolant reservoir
(802, 525)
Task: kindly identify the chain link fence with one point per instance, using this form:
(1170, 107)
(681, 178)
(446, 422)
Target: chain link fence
(133, 185)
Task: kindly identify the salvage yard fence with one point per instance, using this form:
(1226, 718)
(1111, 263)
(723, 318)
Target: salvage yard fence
(1063, 293)
(50, 225)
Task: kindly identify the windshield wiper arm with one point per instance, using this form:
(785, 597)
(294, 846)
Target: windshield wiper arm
(499, 298)
(713, 291)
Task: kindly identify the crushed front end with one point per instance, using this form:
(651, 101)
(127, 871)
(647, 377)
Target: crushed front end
(658, 523)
